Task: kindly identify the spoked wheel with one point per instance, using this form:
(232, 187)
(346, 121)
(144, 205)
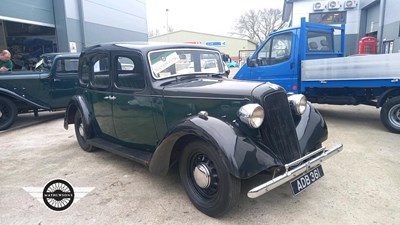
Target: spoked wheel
(390, 114)
(8, 113)
(80, 133)
(209, 185)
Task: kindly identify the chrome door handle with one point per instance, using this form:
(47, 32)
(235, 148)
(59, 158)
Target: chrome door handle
(110, 97)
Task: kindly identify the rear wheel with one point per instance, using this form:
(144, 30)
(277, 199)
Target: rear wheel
(390, 114)
(208, 183)
(8, 113)
(80, 133)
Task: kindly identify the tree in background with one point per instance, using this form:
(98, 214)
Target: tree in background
(257, 25)
(153, 33)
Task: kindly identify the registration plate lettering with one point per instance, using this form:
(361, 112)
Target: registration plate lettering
(307, 179)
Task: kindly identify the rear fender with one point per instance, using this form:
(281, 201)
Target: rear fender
(241, 156)
(76, 103)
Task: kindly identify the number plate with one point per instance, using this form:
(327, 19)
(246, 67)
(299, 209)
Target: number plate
(306, 180)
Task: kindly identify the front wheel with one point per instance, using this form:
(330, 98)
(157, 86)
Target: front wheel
(80, 133)
(390, 114)
(209, 185)
(8, 113)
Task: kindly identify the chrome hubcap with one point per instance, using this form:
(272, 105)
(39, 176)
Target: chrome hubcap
(201, 175)
(81, 131)
(394, 115)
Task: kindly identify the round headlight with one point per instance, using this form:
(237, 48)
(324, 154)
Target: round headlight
(252, 115)
(298, 103)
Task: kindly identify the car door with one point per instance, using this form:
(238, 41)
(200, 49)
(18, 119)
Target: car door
(275, 62)
(64, 81)
(100, 94)
(132, 106)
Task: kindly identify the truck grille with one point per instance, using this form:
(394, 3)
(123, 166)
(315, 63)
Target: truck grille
(278, 130)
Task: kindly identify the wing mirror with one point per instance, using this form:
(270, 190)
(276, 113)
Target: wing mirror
(251, 62)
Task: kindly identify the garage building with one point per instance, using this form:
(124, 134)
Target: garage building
(30, 28)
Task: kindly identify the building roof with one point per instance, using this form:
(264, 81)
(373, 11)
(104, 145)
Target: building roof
(194, 32)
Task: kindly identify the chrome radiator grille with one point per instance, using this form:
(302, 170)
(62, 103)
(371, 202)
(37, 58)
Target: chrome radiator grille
(278, 130)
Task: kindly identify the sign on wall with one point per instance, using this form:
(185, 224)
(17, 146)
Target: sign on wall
(215, 43)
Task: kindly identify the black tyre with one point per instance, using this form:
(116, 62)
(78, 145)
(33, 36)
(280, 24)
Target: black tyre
(8, 113)
(80, 133)
(390, 114)
(209, 185)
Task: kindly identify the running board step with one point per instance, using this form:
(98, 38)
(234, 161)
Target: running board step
(138, 156)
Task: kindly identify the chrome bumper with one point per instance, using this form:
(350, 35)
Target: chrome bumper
(295, 172)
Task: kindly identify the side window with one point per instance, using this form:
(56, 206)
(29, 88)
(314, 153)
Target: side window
(276, 50)
(84, 70)
(281, 49)
(67, 66)
(319, 41)
(101, 71)
(264, 54)
(129, 73)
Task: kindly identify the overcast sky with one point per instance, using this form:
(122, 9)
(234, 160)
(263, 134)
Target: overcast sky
(205, 16)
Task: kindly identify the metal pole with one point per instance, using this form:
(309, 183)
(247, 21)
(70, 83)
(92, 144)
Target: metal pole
(381, 24)
(166, 11)
(82, 23)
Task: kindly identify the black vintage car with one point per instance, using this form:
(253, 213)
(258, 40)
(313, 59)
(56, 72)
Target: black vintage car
(162, 105)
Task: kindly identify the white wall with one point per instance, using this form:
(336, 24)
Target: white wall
(305, 7)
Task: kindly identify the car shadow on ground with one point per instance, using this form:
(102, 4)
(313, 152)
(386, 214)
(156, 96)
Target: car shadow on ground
(28, 119)
(365, 117)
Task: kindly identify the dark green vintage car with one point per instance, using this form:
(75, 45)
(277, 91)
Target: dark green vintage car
(48, 88)
(162, 105)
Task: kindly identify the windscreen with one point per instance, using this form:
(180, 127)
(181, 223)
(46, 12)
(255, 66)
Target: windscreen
(176, 62)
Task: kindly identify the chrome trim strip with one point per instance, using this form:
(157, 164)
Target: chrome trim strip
(13, 19)
(295, 172)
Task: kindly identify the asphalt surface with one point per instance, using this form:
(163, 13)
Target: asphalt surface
(360, 186)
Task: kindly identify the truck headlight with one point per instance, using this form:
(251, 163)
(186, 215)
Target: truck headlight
(298, 103)
(252, 115)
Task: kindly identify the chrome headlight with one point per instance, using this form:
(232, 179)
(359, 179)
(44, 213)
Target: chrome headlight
(298, 103)
(252, 115)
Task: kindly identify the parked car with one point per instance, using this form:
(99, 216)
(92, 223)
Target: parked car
(168, 109)
(48, 88)
(232, 64)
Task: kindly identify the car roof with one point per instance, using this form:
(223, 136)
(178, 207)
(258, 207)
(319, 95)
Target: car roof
(145, 46)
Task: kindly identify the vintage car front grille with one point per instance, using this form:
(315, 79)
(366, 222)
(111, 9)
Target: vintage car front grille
(278, 130)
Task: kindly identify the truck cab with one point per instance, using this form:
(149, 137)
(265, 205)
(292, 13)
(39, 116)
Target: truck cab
(278, 59)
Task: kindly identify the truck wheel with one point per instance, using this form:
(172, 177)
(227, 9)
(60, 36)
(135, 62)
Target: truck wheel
(80, 133)
(209, 185)
(390, 114)
(8, 113)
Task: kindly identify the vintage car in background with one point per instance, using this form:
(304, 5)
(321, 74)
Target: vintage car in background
(172, 106)
(48, 88)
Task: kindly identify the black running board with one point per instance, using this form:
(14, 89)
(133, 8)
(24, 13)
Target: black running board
(138, 156)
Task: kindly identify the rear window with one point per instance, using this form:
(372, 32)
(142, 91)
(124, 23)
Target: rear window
(319, 41)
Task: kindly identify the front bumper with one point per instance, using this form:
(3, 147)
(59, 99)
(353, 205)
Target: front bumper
(296, 171)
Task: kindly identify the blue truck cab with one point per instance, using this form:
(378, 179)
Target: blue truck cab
(279, 57)
(307, 60)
